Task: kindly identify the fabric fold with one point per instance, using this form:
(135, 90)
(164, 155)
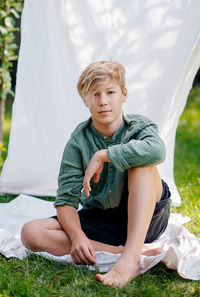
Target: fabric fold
(181, 249)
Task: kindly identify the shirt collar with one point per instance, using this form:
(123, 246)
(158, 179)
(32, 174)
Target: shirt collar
(115, 137)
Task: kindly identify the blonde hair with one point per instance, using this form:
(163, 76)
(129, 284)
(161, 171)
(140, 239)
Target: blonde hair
(97, 73)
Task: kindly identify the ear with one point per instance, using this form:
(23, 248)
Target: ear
(124, 92)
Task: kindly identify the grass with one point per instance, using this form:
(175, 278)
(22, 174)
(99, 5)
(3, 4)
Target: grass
(187, 160)
(36, 276)
(6, 130)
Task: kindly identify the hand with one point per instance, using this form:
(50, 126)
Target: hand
(94, 169)
(82, 250)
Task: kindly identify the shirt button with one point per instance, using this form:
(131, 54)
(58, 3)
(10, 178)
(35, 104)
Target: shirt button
(109, 191)
(111, 169)
(105, 137)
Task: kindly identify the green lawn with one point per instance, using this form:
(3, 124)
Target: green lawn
(36, 276)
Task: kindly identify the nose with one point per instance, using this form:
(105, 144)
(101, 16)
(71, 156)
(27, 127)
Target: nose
(103, 99)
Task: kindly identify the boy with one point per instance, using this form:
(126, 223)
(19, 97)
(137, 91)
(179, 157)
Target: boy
(113, 157)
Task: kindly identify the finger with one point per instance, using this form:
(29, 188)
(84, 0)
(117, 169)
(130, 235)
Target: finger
(97, 174)
(83, 258)
(89, 173)
(87, 190)
(92, 252)
(75, 259)
(96, 178)
(86, 186)
(90, 256)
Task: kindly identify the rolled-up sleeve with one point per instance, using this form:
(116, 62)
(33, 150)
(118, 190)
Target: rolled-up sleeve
(70, 179)
(147, 148)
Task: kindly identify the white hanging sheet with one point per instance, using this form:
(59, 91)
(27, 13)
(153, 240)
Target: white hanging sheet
(157, 41)
(181, 248)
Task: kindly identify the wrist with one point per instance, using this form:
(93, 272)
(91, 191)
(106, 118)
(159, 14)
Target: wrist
(104, 155)
(76, 234)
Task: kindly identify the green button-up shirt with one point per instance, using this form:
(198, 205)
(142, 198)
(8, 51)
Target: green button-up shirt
(135, 143)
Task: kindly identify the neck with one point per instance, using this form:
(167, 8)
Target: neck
(109, 129)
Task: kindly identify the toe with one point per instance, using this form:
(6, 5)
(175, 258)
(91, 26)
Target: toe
(152, 252)
(108, 282)
(99, 277)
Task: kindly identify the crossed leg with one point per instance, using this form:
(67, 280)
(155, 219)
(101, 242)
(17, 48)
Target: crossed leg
(47, 235)
(145, 189)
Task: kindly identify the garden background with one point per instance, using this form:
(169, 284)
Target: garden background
(36, 276)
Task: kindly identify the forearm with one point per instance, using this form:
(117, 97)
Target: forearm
(136, 153)
(82, 250)
(69, 219)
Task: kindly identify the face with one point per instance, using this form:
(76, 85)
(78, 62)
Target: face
(105, 105)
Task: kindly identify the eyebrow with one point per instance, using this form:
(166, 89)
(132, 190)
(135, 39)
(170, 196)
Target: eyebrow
(111, 87)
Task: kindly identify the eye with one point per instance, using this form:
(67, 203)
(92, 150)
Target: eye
(95, 94)
(111, 92)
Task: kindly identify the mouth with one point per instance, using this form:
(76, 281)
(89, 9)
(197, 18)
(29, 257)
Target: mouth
(104, 112)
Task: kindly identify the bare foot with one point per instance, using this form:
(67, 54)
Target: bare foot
(151, 252)
(122, 272)
(125, 269)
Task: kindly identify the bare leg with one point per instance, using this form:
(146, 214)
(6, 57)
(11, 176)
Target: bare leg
(47, 235)
(145, 189)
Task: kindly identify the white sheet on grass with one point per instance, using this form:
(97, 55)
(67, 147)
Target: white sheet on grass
(157, 41)
(181, 248)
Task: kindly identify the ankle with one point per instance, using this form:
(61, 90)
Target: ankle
(131, 257)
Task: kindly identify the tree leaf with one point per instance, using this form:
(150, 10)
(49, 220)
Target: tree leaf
(3, 30)
(12, 46)
(2, 13)
(12, 58)
(9, 21)
(15, 13)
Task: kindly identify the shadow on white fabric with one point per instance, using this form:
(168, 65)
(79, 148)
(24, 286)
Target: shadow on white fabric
(157, 41)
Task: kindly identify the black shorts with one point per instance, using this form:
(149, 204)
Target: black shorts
(110, 225)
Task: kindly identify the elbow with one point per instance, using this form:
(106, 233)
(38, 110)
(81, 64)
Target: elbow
(159, 158)
(159, 153)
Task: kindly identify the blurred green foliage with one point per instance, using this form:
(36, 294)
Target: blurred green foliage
(10, 10)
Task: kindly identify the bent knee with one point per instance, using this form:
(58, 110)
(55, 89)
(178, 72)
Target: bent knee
(145, 177)
(142, 172)
(31, 237)
(148, 168)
